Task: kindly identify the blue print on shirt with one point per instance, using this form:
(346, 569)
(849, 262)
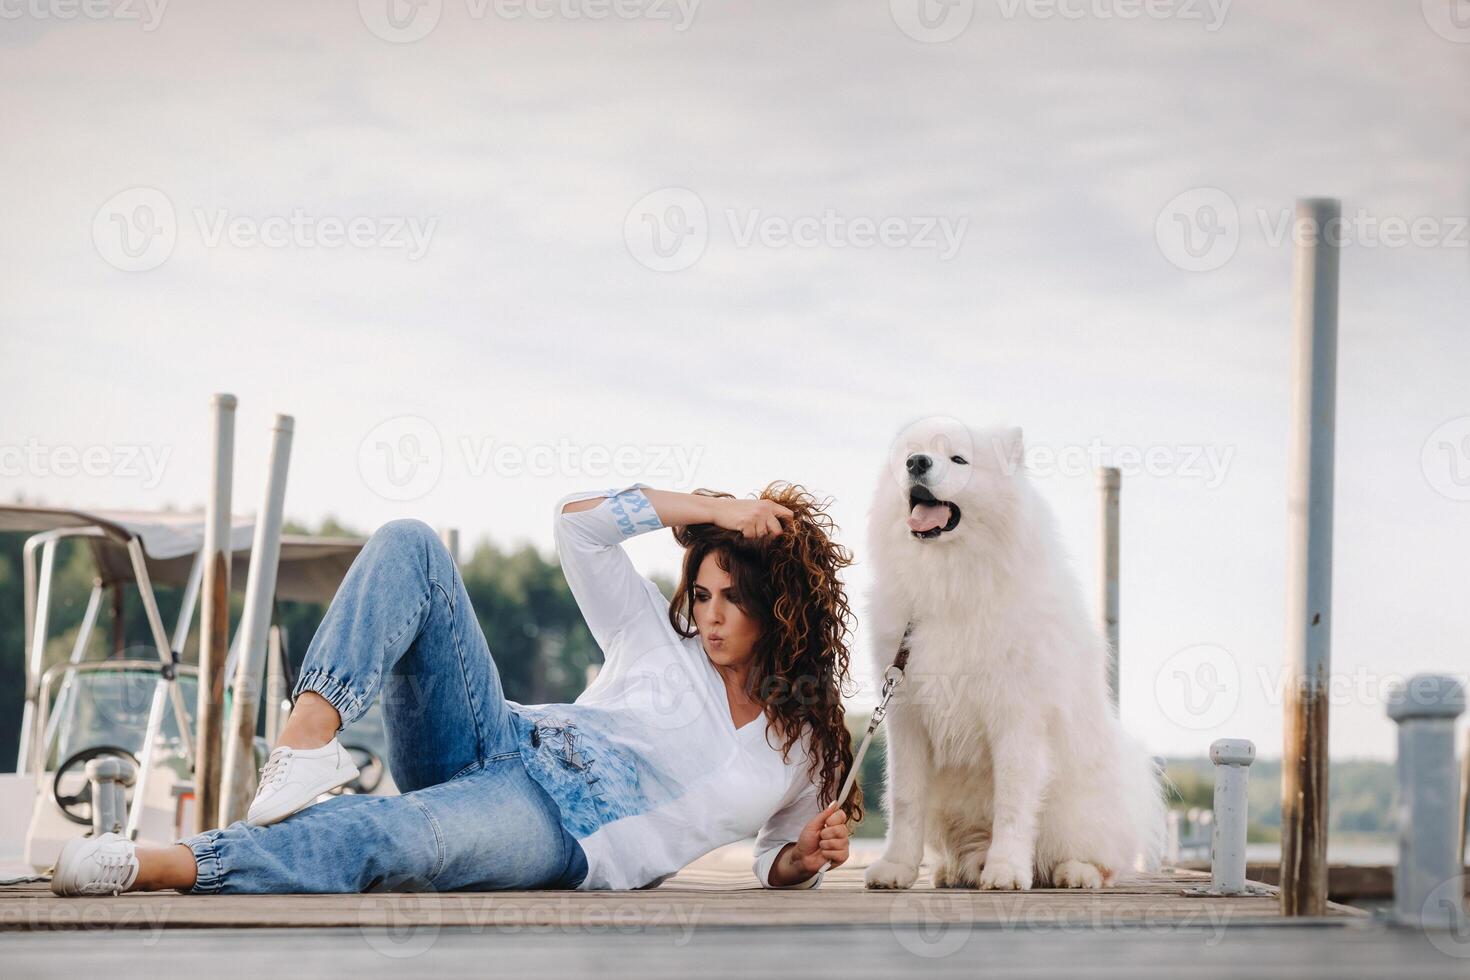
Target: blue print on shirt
(629, 509)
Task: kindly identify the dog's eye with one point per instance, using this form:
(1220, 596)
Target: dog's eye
(958, 459)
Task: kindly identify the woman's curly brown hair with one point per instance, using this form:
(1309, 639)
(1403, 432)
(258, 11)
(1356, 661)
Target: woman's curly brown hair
(789, 585)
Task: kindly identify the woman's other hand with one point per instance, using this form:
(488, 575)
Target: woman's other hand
(754, 519)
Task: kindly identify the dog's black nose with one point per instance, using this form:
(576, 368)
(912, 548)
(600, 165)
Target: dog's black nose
(919, 463)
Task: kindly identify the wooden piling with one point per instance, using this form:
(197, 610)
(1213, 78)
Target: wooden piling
(214, 616)
(1309, 558)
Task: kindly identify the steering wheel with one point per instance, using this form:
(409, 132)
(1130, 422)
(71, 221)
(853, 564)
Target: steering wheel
(370, 769)
(71, 806)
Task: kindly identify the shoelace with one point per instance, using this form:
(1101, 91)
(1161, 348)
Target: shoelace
(113, 867)
(274, 770)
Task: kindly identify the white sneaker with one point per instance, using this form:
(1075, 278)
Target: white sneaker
(293, 778)
(103, 865)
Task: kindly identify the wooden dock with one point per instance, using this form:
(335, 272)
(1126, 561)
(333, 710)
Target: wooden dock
(697, 896)
(712, 920)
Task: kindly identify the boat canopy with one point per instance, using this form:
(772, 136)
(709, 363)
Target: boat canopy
(310, 568)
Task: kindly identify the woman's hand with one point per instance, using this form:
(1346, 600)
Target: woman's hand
(752, 518)
(823, 840)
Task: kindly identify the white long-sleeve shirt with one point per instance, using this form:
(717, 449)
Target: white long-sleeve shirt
(671, 778)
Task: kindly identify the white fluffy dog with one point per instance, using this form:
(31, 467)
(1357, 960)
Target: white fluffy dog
(1004, 752)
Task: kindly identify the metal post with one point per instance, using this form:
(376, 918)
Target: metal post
(214, 616)
(260, 587)
(1464, 797)
(78, 653)
(275, 680)
(1111, 482)
(1232, 758)
(450, 537)
(1309, 559)
(39, 623)
(110, 776)
(1425, 708)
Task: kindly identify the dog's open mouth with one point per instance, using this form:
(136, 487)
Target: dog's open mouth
(930, 517)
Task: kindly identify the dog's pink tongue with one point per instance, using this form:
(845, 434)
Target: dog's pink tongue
(926, 517)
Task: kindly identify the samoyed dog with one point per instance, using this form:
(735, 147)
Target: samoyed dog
(1005, 754)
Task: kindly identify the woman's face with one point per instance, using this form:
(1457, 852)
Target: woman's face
(729, 635)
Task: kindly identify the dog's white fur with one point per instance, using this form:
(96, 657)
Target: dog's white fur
(1004, 752)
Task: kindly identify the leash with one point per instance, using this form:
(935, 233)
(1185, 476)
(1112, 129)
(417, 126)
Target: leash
(892, 677)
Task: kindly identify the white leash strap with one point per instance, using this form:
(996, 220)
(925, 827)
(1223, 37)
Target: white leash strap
(892, 677)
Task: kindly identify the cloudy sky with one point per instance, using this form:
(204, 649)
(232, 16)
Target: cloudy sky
(487, 252)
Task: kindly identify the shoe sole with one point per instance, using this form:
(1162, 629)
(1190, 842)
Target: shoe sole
(276, 815)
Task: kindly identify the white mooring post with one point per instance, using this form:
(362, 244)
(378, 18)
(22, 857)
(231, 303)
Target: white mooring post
(260, 589)
(1425, 708)
(1232, 758)
(1110, 481)
(1309, 558)
(214, 614)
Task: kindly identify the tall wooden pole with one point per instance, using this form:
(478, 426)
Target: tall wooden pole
(214, 616)
(1111, 483)
(1309, 559)
(260, 588)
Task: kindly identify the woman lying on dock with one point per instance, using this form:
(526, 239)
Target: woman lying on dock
(664, 757)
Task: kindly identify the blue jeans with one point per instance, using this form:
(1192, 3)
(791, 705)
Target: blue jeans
(470, 816)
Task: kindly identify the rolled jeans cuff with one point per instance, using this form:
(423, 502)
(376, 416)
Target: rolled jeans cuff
(349, 706)
(210, 876)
